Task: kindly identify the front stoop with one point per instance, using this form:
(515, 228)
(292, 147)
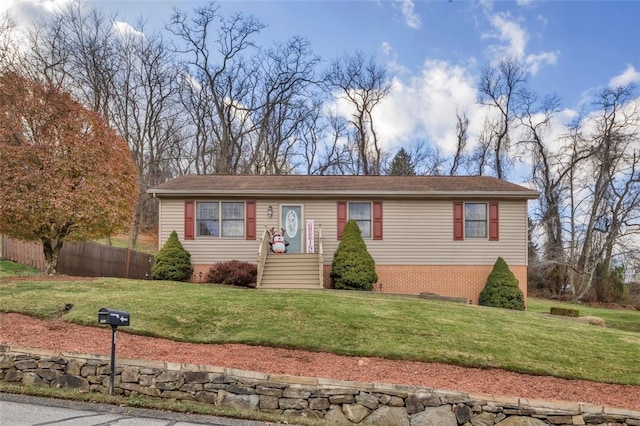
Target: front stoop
(291, 271)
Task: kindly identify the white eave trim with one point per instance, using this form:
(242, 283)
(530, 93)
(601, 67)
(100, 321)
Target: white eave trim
(173, 193)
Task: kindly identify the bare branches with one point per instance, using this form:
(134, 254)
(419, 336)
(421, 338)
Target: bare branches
(363, 84)
(498, 89)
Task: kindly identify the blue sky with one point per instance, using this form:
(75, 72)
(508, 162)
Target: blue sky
(435, 49)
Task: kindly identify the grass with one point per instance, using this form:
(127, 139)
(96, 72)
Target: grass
(622, 319)
(144, 243)
(349, 323)
(9, 269)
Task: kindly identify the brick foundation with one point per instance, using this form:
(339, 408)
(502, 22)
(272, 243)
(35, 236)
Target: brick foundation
(444, 280)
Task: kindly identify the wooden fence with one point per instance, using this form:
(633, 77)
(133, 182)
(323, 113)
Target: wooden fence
(85, 259)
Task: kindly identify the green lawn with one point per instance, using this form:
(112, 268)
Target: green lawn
(9, 269)
(352, 323)
(615, 318)
(143, 244)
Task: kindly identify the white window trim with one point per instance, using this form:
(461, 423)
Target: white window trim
(370, 203)
(220, 220)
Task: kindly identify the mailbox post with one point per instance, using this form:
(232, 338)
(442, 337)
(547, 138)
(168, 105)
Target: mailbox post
(113, 318)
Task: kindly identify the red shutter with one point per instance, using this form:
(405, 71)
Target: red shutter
(377, 220)
(251, 220)
(189, 216)
(493, 221)
(342, 217)
(458, 220)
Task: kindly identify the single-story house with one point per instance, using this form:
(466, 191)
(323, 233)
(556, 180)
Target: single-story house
(427, 234)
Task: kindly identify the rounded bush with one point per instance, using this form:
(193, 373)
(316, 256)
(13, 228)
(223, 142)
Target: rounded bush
(173, 262)
(353, 268)
(233, 272)
(501, 289)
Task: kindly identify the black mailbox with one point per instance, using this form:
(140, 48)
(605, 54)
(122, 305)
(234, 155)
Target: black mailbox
(113, 317)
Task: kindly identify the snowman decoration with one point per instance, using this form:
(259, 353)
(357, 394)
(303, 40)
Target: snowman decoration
(278, 243)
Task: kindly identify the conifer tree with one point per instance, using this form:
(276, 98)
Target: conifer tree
(173, 262)
(353, 268)
(501, 289)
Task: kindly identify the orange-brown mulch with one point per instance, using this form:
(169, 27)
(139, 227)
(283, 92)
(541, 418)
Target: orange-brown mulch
(24, 331)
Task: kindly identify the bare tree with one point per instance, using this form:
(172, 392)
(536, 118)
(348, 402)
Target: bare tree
(549, 177)
(608, 207)
(498, 89)
(219, 85)
(462, 127)
(8, 49)
(285, 100)
(312, 133)
(332, 156)
(480, 160)
(362, 84)
(76, 51)
(147, 113)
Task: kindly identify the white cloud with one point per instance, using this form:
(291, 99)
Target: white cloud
(392, 63)
(514, 41)
(386, 48)
(535, 62)
(509, 32)
(629, 75)
(124, 30)
(424, 107)
(411, 18)
(29, 10)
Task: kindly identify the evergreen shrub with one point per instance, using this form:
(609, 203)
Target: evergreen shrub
(353, 268)
(173, 262)
(233, 272)
(501, 289)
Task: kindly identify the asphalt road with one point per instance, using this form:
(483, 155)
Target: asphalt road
(23, 410)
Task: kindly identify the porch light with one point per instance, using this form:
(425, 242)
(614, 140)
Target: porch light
(269, 211)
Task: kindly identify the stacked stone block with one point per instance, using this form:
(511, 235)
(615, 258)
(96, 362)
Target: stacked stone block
(334, 401)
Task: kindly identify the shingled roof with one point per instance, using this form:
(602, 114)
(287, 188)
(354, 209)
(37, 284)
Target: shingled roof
(322, 186)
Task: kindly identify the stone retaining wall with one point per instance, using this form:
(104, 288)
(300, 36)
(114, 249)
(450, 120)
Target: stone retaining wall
(332, 400)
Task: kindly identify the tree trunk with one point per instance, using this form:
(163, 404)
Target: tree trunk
(51, 252)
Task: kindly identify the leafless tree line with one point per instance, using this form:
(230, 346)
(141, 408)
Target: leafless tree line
(588, 214)
(204, 96)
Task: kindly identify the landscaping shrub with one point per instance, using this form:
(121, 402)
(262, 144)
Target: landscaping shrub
(233, 272)
(173, 262)
(565, 312)
(501, 289)
(353, 268)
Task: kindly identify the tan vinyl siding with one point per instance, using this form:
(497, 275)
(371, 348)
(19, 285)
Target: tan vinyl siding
(416, 232)
(421, 233)
(208, 250)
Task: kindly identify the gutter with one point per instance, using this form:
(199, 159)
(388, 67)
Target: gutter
(173, 193)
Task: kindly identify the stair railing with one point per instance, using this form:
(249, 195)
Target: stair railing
(263, 249)
(320, 257)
